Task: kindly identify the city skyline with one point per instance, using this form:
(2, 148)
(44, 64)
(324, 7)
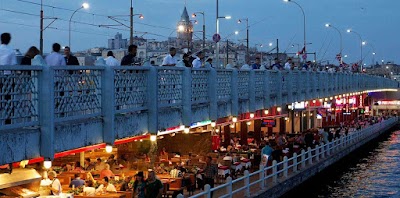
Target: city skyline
(268, 21)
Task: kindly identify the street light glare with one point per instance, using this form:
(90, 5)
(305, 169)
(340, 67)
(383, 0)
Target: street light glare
(285, 0)
(270, 44)
(327, 25)
(364, 42)
(85, 5)
(236, 32)
(228, 17)
(181, 28)
(348, 31)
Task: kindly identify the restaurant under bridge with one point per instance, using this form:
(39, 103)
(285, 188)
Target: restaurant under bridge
(46, 111)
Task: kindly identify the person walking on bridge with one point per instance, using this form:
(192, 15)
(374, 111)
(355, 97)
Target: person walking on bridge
(7, 55)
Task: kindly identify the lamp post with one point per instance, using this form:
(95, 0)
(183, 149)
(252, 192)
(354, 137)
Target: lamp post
(361, 47)
(41, 27)
(217, 28)
(84, 6)
(204, 27)
(247, 37)
(304, 25)
(341, 41)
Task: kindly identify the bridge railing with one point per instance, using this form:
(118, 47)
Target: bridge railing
(279, 172)
(95, 104)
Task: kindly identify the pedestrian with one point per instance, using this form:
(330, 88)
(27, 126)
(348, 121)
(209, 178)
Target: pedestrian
(111, 60)
(55, 58)
(154, 186)
(7, 55)
(288, 64)
(130, 59)
(170, 59)
(210, 171)
(69, 58)
(29, 55)
(209, 63)
(277, 65)
(257, 64)
(186, 59)
(197, 63)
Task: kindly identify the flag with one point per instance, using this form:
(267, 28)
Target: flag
(302, 51)
(304, 55)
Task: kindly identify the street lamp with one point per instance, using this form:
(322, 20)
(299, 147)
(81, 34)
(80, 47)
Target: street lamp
(204, 27)
(341, 40)
(217, 28)
(247, 37)
(361, 46)
(304, 28)
(84, 6)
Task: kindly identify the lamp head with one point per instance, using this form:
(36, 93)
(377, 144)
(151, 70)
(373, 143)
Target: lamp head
(228, 17)
(194, 15)
(270, 44)
(286, 0)
(85, 5)
(141, 16)
(348, 31)
(327, 25)
(239, 21)
(236, 32)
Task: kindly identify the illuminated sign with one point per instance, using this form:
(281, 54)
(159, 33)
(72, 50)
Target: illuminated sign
(268, 123)
(298, 105)
(392, 102)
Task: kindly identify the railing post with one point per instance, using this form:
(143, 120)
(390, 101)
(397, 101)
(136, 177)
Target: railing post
(46, 112)
(252, 91)
(274, 171)
(187, 97)
(323, 150)
(212, 92)
(303, 158)
(295, 164)
(207, 189)
(285, 166)
(234, 93)
(108, 105)
(152, 105)
(262, 176)
(328, 148)
(309, 156)
(317, 152)
(229, 187)
(247, 183)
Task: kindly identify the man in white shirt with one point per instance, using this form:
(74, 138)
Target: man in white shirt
(55, 58)
(7, 55)
(106, 186)
(288, 64)
(197, 62)
(55, 185)
(170, 59)
(110, 60)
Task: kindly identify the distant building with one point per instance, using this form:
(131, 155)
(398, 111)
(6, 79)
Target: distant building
(184, 31)
(117, 42)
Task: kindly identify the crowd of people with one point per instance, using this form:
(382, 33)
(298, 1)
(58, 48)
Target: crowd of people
(141, 187)
(197, 60)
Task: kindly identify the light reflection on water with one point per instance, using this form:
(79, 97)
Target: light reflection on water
(377, 175)
(374, 174)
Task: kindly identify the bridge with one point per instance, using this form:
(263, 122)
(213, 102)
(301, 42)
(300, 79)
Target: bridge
(48, 110)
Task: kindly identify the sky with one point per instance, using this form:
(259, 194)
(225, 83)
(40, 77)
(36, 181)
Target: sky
(375, 20)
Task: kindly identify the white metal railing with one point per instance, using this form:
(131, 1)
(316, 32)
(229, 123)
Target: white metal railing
(296, 163)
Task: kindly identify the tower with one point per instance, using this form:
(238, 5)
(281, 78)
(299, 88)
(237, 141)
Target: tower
(184, 30)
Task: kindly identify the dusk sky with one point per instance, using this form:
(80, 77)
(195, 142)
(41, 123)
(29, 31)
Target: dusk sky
(375, 20)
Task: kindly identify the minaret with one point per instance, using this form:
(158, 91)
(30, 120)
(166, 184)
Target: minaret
(184, 30)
